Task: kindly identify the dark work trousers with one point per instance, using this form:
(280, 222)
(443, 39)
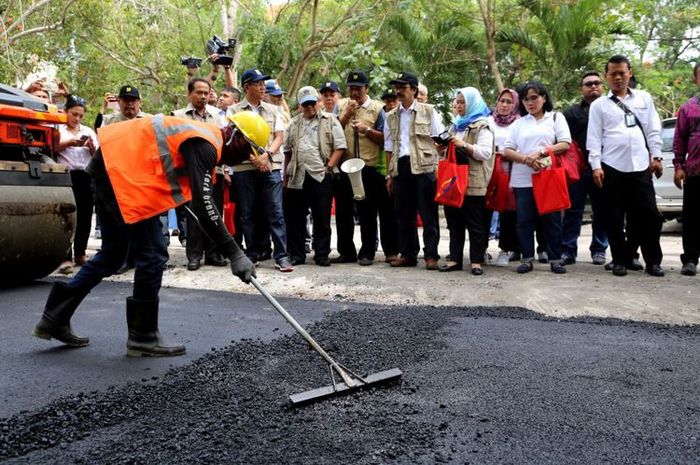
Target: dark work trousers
(344, 219)
(198, 245)
(573, 217)
(181, 216)
(630, 203)
(376, 202)
(415, 193)
(315, 195)
(691, 220)
(262, 243)
(526, 224)
(144, 239)
(508, 238)
(468, 217)
(84, 202)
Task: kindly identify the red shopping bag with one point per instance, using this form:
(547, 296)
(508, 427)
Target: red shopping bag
(451, 180)
(572, 161)
(550, 190)
(499, 195)
(229, 212)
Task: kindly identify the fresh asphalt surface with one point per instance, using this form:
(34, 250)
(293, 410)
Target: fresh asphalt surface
(481, 385)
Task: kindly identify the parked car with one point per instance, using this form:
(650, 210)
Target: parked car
(669, 198)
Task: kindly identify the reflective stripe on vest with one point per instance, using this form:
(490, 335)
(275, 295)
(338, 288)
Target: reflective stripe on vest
(162, 132)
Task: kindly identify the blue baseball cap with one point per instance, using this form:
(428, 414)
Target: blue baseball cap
(307, 94)
(329, 85)
(253, 75)
(272, 88)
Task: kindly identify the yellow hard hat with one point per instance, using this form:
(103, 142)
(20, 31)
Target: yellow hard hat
(253, 127)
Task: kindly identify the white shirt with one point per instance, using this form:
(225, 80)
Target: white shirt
(610, 141)
(405, 117)
(527, 135)
(76, 158)
(483, 149)
(500, 133)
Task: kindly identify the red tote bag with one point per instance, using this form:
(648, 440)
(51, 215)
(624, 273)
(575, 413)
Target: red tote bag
(499, 195)
(550, 190)
(451, 180)
(571, 161)
(229, 212)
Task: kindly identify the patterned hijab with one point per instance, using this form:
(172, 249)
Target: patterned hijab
(507, 120)
(475, 108)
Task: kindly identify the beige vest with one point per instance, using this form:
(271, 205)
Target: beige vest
(270, 114)
(118, 117)
(423, 153)
(369, 150)
(295, 172)
(479, 170)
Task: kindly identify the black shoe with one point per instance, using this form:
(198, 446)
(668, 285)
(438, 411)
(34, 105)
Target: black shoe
(689, 269)
(144, 338)
(619, 270)
(477, 271)
(364, 261)
(215, 260)
(193, 264)
(524, 267)
(297, 261)
(634, 265)
(655, 270)
(59, 308)
(567, 260)
(609, 266)
(343, 259)
(322, 261)
(557, 268)
(264, 256)
(450, 266)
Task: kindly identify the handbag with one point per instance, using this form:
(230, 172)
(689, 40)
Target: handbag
(229, 212)
(572, 160)
(451, 180)
(550, 190)
(499, 195)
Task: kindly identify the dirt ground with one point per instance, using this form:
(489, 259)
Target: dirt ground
(586, 290)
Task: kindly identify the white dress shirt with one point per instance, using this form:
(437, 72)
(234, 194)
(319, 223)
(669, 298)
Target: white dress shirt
(405, 116)
(527, 135)
(76, 158)
(610, 141)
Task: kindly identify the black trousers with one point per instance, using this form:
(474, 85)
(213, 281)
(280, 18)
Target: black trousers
(377, 202)
(507, 237)
(84, 202)
(414, 193)
(469, 217)
(344, 219)
(691, 220)
(630, 203)
(197, 244)
(319, 197)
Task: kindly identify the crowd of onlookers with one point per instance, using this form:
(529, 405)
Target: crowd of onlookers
(284, 197)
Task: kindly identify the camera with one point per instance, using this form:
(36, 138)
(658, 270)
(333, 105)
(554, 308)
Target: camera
(217, 45)
(191, 62)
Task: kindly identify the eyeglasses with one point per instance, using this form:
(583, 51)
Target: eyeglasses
(532, 98)
(593, 83)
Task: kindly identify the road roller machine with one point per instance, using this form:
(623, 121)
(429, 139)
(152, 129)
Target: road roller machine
(37, 207)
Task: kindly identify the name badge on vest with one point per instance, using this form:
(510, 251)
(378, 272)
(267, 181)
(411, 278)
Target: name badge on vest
(630, 120)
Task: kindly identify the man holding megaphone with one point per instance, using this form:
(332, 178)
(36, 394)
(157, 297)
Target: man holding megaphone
(363, 121)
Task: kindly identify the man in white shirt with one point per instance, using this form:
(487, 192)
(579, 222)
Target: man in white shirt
(624, 144)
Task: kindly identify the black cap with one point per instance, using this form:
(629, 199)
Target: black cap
(253, 75)
(129, 92)
(405, 78)
(329, 85)
(389, 93)
(358, 78)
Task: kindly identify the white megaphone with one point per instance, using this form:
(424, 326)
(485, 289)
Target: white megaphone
(353, 168)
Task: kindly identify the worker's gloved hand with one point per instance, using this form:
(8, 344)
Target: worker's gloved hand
(242, 267)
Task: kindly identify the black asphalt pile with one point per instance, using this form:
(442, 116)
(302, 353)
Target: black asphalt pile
(480, 386)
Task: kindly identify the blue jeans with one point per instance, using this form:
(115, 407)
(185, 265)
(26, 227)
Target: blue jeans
(573, 217)
(248, 185)
(526, 211)
(144, 240)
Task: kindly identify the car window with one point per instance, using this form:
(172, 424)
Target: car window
(667, 138)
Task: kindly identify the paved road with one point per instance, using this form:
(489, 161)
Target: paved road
(481, 385)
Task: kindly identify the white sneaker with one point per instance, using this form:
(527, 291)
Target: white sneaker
(503, 258)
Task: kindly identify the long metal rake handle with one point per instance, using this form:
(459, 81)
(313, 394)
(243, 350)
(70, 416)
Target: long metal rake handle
(335, 365)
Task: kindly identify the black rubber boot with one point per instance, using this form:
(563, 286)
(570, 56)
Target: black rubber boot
(55, 322)
(144, 338)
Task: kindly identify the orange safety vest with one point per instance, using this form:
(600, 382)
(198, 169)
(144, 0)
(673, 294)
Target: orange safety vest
(144, 163)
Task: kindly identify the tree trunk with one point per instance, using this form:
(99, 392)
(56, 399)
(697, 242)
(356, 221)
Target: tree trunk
(487, 14)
